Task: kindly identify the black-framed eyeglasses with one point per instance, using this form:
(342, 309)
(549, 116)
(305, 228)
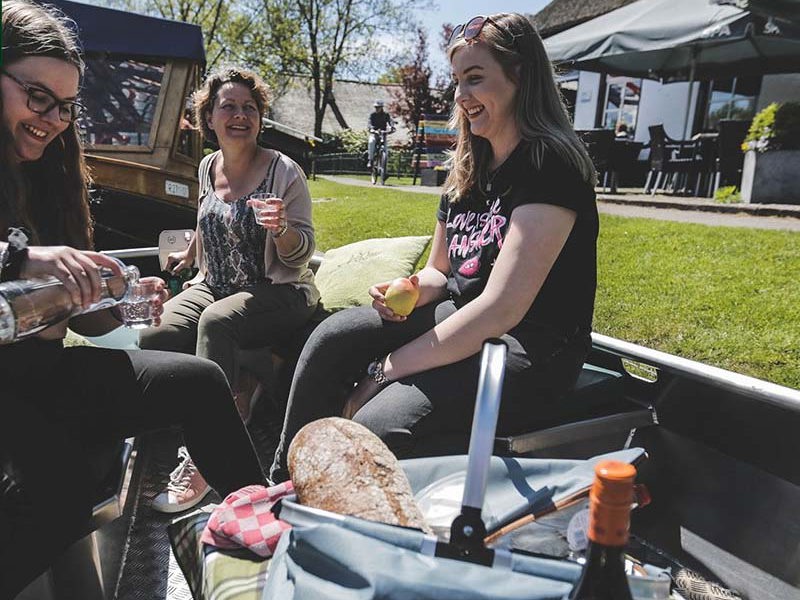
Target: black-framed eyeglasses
(42, 102)
(471, 30)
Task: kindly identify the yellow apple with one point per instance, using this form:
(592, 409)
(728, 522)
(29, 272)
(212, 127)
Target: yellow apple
(402, 295)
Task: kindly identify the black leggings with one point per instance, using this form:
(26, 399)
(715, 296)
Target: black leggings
(431, 412)
(60, 404)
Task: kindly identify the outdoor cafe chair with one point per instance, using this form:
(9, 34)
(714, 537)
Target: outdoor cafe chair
(673, 162)
(599, 143)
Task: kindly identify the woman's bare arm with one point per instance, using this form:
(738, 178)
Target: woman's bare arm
(536, 235)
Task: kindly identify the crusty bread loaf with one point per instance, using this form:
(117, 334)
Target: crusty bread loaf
(341, 466)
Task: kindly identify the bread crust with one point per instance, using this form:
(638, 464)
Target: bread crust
(340, 466)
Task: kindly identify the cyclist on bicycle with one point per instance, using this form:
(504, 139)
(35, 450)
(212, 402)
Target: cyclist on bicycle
(379, 122)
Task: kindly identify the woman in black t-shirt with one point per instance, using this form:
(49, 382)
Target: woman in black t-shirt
(513, 256)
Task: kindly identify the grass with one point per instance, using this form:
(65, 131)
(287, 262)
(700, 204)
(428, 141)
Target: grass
(725, 296)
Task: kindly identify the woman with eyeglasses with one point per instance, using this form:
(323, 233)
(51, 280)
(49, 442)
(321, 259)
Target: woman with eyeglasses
(513, 256)
(60, 405)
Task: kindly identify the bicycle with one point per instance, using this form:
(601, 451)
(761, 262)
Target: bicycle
(380, 159)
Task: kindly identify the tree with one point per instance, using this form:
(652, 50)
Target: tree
(232, 32)
(320, 39)
(415, 97)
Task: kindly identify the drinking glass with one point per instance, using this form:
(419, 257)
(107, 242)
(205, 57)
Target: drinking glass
(264, 204)
(136, 308)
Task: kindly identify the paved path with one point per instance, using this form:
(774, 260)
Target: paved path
(666, 208)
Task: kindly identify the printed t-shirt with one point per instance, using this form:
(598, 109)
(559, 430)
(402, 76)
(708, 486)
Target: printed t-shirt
(477, 224)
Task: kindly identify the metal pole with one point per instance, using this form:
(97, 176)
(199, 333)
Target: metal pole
(689, 96)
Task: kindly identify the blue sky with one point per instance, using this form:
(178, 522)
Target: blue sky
(458, 11)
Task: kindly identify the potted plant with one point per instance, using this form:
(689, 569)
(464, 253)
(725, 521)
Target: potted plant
(772, 156)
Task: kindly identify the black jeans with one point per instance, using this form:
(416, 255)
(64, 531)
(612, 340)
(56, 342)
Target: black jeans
(431, 412)
(59, 404)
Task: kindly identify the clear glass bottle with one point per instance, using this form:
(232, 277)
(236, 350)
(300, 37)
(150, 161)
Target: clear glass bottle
(610, 502)
(28, 306)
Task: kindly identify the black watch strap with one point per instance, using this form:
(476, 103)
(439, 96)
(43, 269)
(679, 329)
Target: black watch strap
(16, 254)
(375, 370)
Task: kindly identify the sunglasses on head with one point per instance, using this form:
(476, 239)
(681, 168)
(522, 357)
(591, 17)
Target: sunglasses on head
(471, 30)
(42, 102)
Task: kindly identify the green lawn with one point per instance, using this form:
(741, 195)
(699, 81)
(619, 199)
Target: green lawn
(726, 296)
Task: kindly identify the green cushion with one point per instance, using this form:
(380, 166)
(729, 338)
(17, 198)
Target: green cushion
(74, 339)
(347, 273)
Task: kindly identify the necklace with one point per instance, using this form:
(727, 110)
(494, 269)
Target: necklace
(490, 179)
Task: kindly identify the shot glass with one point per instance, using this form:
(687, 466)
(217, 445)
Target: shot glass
(264, 205)
(136, 308)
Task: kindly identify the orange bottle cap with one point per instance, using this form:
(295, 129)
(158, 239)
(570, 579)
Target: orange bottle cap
(610, 503)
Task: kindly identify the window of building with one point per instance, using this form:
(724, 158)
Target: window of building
(568, 85)
(733, 98)
(121, 98)
(621, 104)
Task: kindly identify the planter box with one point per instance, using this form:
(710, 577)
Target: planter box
(771, 177)
(433, 177)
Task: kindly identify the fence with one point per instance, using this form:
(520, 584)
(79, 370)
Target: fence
(398, 165)
(434, 138)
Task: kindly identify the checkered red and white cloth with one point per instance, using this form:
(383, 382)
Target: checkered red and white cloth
(245, 519)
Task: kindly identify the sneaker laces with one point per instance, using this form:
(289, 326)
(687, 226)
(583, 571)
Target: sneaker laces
(181, 477)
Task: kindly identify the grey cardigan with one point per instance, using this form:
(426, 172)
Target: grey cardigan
(288, 182)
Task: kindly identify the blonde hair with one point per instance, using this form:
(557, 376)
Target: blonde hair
(204, 98)
(541, 116)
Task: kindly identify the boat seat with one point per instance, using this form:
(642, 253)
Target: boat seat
(595, 408)
(77, 573)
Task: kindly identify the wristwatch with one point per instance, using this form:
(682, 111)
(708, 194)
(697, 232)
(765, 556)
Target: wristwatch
(16, 253)
(282, 231)
(375, 370)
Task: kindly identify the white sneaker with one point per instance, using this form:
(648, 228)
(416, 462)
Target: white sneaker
(186, 487)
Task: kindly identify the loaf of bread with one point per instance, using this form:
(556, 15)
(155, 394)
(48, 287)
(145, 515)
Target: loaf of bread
(340, 466)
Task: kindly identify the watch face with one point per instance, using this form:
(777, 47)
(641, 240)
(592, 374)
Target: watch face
(372, 368)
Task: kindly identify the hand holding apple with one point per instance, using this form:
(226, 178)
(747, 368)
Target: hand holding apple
(395, 299)
(402, 294)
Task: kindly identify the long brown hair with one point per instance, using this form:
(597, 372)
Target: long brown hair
(541, 116)
(49, 196)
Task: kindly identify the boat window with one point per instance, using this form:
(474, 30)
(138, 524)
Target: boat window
(121, 98)
(189, 144)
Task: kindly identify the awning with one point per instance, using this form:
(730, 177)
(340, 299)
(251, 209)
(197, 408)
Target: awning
(676, 40)
(131, 35)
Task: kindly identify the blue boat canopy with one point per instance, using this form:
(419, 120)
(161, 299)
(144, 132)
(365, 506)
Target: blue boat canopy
(121, 33)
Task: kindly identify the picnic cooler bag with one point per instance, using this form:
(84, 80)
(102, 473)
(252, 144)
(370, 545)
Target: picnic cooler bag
(332, 556)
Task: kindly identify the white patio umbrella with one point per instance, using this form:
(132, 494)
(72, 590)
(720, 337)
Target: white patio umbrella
(679, 40)
(787, 10)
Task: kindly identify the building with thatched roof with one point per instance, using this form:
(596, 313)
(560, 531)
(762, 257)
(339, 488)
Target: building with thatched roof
(353, 104)
(563, 14)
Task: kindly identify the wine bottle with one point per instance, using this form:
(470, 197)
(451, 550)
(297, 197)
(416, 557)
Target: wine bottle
(610, 500)
(30, 305)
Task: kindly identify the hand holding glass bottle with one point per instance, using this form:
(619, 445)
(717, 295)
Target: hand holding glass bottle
(28, 306)
(77, 270)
